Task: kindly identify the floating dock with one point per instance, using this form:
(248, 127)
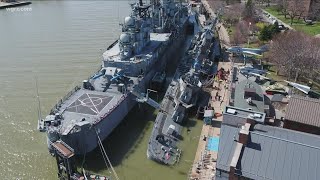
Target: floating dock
(4, 5)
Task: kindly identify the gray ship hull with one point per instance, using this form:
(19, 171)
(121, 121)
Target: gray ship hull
(86, 140)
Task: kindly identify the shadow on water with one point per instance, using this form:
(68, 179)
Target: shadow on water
(127, 136)
(122, 141)
(190, 122)
(126, 139)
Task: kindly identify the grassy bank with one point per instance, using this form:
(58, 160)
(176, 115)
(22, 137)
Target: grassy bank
(299, 25)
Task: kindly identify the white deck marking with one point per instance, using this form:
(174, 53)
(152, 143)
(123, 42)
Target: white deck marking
(80, 102)
(93, 104)
(85, 103)
(94, 111)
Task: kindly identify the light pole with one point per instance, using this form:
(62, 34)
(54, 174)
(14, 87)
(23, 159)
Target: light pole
(249, 34)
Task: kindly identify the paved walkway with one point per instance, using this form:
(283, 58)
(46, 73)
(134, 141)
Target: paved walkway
(223, 36)
(205, 160)
(208, 8)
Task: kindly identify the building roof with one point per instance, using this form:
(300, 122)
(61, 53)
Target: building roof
(271, 153)
(304, 110)
(235, 116)
(257, 100)
(277, 98)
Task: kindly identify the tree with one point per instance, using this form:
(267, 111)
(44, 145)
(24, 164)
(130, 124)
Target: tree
(216, 5)
(314, 12)
(232, 1)
(233, 13)
(295, 9)
(241, 32)
(296, 53)
(282, 6)
(267, 32)
(249, 9)
(275, 28)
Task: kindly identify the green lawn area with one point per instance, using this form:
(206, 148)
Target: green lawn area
(299, 25)
(231, 30)
(253, 45)
(272, 74)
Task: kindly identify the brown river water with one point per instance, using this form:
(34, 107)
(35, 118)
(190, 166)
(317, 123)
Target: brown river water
(60, 43)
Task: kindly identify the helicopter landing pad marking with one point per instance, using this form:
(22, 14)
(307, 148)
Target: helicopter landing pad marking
(89, 104)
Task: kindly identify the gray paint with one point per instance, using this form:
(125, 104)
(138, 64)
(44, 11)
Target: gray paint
(239, 100)
(272, 153)
(240, 117)
(79, 126)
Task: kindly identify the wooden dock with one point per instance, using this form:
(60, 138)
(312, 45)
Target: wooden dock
(4, 5)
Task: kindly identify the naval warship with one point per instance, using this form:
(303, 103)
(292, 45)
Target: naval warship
(149, 39)
(196, 70)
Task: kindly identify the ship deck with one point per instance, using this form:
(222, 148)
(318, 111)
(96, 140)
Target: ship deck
(85, 106)
(165, 151)
(155, 40)
(90, 106)
(89, 103)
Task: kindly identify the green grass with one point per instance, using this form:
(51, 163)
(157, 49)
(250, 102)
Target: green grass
(280, 78)
(253, 45)
(299, 25)
(231, 30)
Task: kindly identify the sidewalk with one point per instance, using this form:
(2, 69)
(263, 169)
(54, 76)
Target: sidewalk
(223, 36)
(204, 164)
(205, 160)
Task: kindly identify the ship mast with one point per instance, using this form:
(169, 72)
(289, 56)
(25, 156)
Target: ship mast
(38, 98)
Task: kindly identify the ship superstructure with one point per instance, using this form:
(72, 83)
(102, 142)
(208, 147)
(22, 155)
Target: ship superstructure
(194, 71)
(99, 105)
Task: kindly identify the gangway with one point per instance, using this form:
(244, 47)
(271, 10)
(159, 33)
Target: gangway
(142, 98)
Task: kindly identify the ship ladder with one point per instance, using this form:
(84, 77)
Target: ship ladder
(105, 156)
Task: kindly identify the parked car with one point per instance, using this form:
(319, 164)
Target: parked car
(282, 27)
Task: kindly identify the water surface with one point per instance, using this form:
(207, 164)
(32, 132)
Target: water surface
(60, 43)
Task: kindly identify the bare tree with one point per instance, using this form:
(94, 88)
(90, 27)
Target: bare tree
(314, 12)
(295, 8)
(216, 4)
(296, 53)
(241, 33)
(249, 9)
(233, 13)
(282, 6)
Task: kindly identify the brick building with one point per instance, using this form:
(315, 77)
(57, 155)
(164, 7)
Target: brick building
(303, 114)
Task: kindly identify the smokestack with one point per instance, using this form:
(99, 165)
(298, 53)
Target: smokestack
(244, 134)
(252, 122)
(234, 162)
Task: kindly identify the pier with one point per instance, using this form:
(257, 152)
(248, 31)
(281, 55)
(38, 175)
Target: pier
(204, 164)
(10, 4)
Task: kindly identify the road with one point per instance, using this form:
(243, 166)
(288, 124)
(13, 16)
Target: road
(272, 18)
